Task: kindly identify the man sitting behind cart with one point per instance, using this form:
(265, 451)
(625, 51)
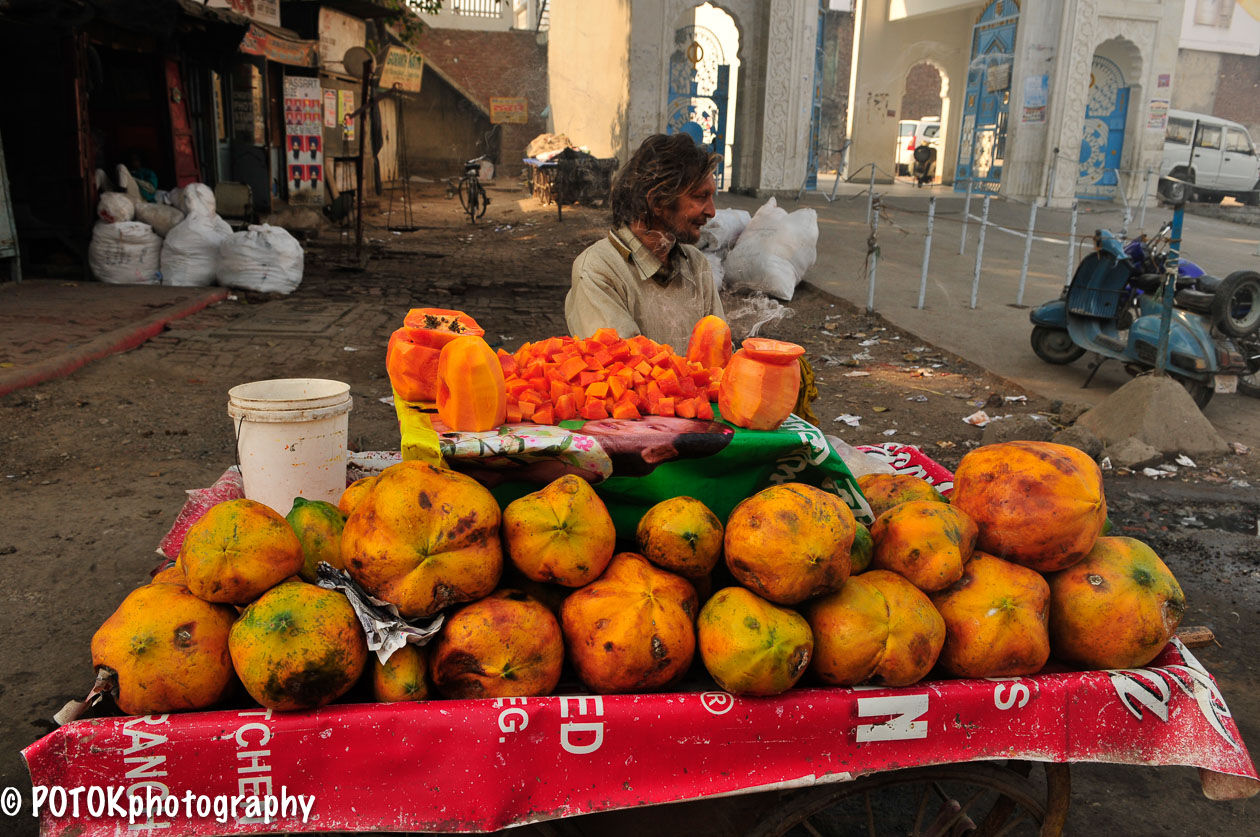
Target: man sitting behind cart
(644, 276)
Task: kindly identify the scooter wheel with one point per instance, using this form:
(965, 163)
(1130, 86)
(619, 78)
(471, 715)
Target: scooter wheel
(1054, 345)
(1236, 304)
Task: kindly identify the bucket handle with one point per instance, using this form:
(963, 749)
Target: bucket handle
(236, 450)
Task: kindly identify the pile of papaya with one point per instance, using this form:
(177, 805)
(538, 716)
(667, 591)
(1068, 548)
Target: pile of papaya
(1008, 572)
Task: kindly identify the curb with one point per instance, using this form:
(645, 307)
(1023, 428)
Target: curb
(118, 340)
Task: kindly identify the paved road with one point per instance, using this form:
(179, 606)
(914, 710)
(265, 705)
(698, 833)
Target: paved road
(995, 333)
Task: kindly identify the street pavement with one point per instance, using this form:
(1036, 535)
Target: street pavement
(995, 334)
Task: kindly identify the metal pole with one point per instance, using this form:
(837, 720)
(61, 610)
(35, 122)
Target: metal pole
(1170, 284)
(1028, 237)
(870, 275)
(962, 245)
(975, 279)
(927, 251)
(1124, 228)
(1071, 254)
(1146, 187)
(364, 103)
(870, 194)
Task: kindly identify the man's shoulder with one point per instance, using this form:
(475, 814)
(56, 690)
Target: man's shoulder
(601, 256)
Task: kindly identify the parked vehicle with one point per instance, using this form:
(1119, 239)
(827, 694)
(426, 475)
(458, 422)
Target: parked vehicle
(1113, 310)
(911, 133)
(1212, 157)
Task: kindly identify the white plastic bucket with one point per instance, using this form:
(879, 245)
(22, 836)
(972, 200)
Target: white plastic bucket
(291, 439)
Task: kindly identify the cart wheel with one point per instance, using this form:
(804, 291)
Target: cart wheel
(976, 800)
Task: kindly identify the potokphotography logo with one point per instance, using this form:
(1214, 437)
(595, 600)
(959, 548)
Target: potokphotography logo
(150, 804)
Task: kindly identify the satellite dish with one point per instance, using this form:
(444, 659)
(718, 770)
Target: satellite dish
(355, 59)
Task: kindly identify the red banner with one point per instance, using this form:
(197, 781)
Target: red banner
(462, 766)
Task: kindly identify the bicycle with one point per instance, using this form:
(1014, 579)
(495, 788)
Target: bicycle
(472, 195)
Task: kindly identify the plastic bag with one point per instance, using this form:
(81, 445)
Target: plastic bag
(115, 207)
(159, 216)
(723, 230)
(175, 198)
(126, 253)
(230, 486)
(128, 185)
(774, 251)
(190, 256)
(715, 265)
(263, 258)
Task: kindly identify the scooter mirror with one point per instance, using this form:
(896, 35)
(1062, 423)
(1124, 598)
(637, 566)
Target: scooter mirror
(1172, 191)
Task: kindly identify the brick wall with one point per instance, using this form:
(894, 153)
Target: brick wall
(486, 64)
(923, 93)
(837, 66)
(1238, 92)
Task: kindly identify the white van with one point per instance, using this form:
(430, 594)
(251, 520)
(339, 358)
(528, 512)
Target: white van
(911, 133)
(1214, 154)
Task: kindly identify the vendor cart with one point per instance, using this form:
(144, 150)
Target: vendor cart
(941, 757)
(569, 177)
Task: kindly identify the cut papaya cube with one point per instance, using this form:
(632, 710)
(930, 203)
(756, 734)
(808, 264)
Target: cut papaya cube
(661, 358)
(514, 413)
(617, 387)
(557, 389)
(625, 410)
(704, 410)
(685, 408)
(594, 410)
(528, 409)
(598, 389)
(516, 386)
(664, 407)
(540, 385)
(589, 377)
(711, 391)
(607, 336)
(507, 362)
(565, 409)
(688, 386)
(668, 382)
(603, 357)
(544, 415)
(531, 396)
(571, 368)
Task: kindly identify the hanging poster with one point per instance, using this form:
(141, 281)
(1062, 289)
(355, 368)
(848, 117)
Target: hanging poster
(345, 107)
(1035, 95)
(1157, 116)
(330, 108)
(304, 136)
(403, 68)
(508, 109)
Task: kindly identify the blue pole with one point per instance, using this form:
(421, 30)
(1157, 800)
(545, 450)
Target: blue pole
(1170, 289)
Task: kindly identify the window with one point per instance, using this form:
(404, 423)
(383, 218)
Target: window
(905, 129)
(1179, 131)
(1208, 136)
(1237, 142)
(931, 131)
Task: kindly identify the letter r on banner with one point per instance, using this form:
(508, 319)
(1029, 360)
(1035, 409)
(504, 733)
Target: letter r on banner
(902, 726)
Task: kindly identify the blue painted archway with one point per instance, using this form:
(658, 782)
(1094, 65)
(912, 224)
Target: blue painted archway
(986, 100)
(1102, 142)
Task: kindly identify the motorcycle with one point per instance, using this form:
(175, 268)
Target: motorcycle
(1114, 304)
(924, 169)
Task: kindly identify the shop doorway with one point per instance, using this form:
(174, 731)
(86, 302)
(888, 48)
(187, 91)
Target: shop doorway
(1102, 143)
(986, 100)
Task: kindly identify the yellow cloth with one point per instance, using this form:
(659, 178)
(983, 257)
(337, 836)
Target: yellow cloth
(619, 283)
(419, 439)
(808, 393)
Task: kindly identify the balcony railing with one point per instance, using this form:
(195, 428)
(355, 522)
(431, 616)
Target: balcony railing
(477, 8)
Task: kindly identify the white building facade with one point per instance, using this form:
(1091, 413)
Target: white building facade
(621, 70)
(1062, 99)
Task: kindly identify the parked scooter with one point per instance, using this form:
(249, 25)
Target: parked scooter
(924, 169)
(1113, 308)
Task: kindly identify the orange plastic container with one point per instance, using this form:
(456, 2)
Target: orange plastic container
(411, 358)
(761, 383)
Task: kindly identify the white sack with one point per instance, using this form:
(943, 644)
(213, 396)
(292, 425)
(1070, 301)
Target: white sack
(774, 251)
(115, 207)
(263, 258)
(723, 230)
(190, 254)
(128, 185)
(197, 197)
(126, 253)
(159, 216)
(175, 197)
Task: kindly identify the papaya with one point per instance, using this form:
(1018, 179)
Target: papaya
(710, 342)
(238, 550)
(171, 574)
(413, 352)
(318, 526)
(878, 628)
(354, 492)
(750, 646)
(471, 394)
(562, 533)
(632, 629)
(167, 650)
(505, 645)
(681, 535)
(925, 541)
(863, 550)
(760, 383)
(403, 677)
(996, 619)
(1038, 504)
(424, 539)
(1116, 608)
(790, 542)
(298, 646)
(883, 491)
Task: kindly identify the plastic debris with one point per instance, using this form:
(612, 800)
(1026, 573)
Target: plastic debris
(851, 420)
(890, 432)
(979, 418)
(1182, 459)
(858, 374)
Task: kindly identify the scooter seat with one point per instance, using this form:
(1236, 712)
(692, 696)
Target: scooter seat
(1209, 283)
(1191, 300)
(1147, 283)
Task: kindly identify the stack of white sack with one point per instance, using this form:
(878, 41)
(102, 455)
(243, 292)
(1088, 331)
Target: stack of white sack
(190, 255)
(122, 251)
(718, 237)
(264, 258)
(774, 251)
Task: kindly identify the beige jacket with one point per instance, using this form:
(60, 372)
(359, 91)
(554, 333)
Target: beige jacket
(618, 283)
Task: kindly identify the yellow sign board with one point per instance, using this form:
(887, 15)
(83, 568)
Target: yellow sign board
(508, 109)
(403, 68)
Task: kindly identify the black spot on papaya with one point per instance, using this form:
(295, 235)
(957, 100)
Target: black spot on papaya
(423, 501)
(659, 651)
(608, 646)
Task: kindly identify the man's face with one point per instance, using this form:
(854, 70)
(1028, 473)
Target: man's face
(691, 212)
